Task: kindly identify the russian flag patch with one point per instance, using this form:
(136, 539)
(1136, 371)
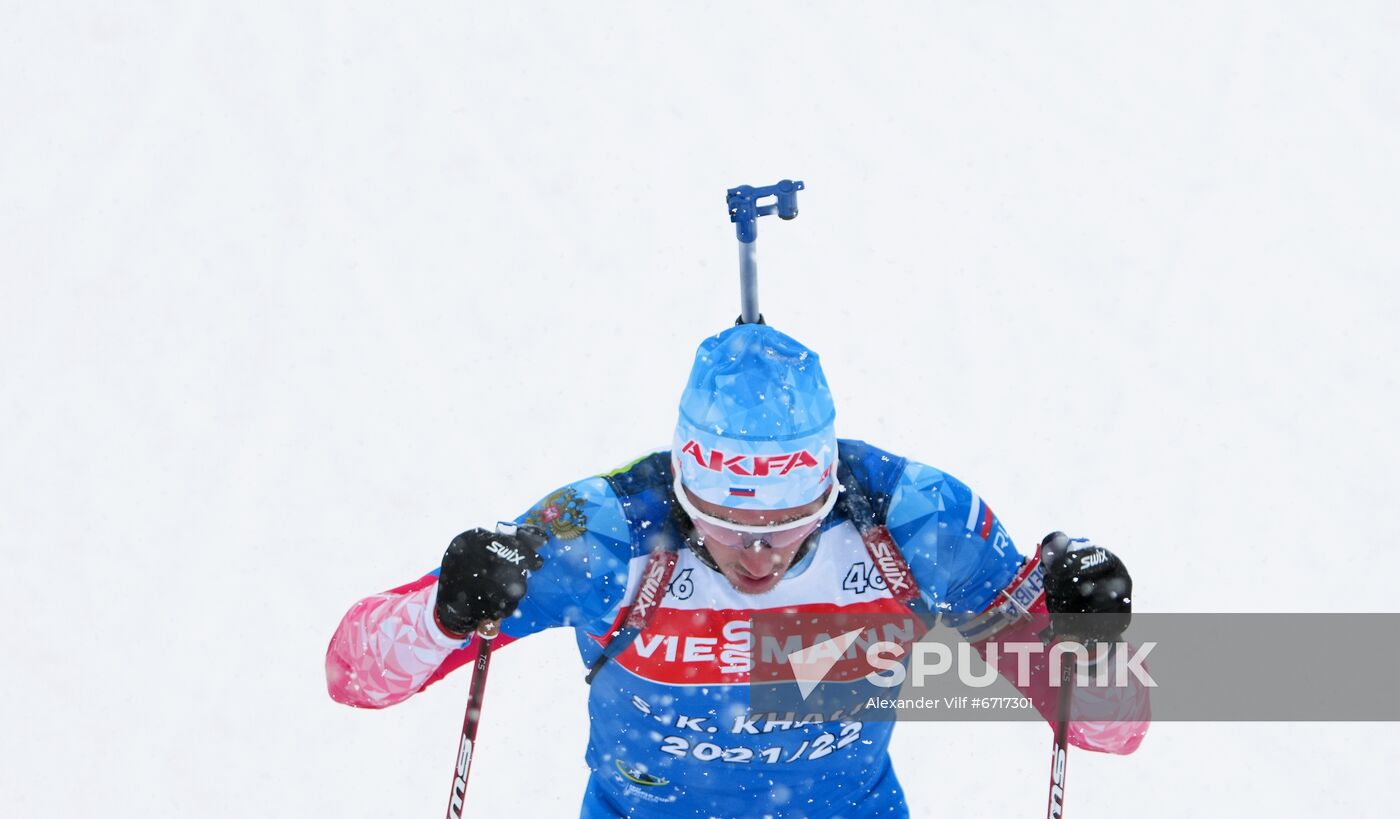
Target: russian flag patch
(741, 492)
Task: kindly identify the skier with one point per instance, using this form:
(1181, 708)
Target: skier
(745, 503)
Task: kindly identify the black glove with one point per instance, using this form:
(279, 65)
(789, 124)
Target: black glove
(483, 576)
(1087, 590)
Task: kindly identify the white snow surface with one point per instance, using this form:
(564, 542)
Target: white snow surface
(293, 293)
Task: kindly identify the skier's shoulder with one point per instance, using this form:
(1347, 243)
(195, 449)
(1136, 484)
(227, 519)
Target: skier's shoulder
(613, 510)
(956, 548)
(903, 490)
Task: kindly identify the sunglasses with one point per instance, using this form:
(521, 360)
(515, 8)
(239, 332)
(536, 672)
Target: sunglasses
(744, 536)
(724, 536)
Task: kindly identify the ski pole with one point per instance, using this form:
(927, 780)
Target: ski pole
(486, 632)
(744, 210)
(1059, 755)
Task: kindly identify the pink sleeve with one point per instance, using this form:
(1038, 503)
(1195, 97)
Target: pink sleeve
(389, 647)
(1122, 714)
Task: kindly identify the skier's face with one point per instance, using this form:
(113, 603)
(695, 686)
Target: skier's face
(753, 563)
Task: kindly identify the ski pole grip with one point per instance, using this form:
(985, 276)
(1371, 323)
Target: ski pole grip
(489, 630)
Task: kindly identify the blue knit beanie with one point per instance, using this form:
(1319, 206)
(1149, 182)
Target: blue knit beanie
(757, 424)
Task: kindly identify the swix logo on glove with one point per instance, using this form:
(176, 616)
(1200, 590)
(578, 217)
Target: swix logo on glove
(749, 466)
(506, 552)
(1094, 559)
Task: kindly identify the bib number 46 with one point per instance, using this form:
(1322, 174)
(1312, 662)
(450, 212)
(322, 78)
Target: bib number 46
(862, 576)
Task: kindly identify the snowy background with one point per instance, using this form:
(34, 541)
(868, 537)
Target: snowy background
(293, 295)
